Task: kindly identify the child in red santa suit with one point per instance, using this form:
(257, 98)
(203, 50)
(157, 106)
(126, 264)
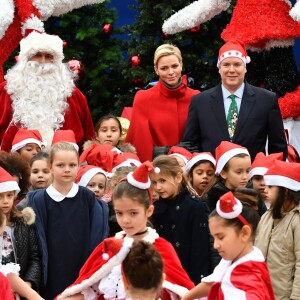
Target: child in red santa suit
(242, 273)
(100, 277)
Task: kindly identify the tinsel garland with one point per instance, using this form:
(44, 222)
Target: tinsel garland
(290, 104)
(194, 14)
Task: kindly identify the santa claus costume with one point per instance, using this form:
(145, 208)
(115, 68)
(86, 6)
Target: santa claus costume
(42, 96)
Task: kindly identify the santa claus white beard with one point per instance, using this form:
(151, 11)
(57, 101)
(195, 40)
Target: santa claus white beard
(39, 92)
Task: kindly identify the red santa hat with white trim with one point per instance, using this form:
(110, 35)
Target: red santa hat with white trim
(26, 136)
(125, 159)
(263, 162)
(41, 42)
(86, 173)
(198, 157)
(181, 152)
(140, 176)
(7, 182)
(67, 136)
(284, 174)
(229, 207)
(225, 151)
(233, 49)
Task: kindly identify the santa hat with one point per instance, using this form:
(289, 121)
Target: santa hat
(102, 156)
(181, 152)
(284, 174)
(125, 159)
(229, 207)
(41, 42)
(26, 136)
(115, 251)
(233, 49)
(225, 151)
(67, 136)
(197, 157)
(86, 173)
(140, 176)
(7, 182)
(262, 163)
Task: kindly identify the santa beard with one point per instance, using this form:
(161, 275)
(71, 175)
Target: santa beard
(39, 93)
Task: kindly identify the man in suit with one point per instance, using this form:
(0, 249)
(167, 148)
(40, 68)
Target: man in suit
(253, 121)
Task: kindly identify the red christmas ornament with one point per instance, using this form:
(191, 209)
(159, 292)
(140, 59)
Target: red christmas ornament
(195, 29)
(65, 44)
(107, 29)
(139, 82)
(165, 36)
(135, 60)
(76, 67)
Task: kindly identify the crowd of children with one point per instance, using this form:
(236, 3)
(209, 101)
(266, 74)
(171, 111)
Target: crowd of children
(100, 224)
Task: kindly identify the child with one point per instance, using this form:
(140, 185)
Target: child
(279, 229)
(27, 142)
(93, 178)
(232, 171)
(200, 170)
(142, 271)
(19, 169)
(100, 277)
(258, 168)
(180, 217)
(70, 221)
(40, 176)
(242, 273)
(18, 241)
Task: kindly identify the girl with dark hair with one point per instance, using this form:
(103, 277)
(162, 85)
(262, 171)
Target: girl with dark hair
(142, 271)
(279, 229)
(242, 273)
(101, 276)
(19, 252)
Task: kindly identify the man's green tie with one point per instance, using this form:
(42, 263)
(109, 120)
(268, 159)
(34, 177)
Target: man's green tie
(232, 116)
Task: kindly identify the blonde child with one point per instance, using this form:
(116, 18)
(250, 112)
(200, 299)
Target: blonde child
(181, 154)
(279, 229)
(18, 242)
(27, 142)
(232, 171)
(200, 170)
(70, 221)
(180, 217)
(242, 273)
(101, 276)
(93, 178)
(142, 271)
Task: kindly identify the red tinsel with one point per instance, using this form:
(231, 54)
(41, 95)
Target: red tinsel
(257, 22)
(290, 104)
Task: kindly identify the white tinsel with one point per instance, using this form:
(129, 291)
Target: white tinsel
(49, 8)
(295, 11)
(6, 15)
(194, 14)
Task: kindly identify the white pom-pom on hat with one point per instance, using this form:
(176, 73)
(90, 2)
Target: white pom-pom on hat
(156, 170)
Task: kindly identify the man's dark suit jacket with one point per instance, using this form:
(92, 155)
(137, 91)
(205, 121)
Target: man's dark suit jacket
(259, 120)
